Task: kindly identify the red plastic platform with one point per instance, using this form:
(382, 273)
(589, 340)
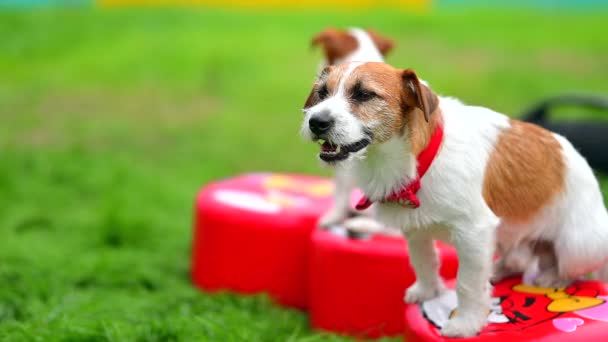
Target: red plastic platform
(523, 313)
(357, 286)
(252, 234)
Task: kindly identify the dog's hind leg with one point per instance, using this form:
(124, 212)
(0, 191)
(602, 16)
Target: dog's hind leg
(513, 261)
(581, 239)
(582, 246)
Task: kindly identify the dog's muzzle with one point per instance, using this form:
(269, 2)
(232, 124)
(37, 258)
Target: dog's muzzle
(331, 152)
(320, 124)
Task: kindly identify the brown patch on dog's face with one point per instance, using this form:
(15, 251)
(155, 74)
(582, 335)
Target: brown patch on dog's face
(336, 44)
(373, 91)
(384, 44)
(390, 102)
(325, 85)
(525, 172)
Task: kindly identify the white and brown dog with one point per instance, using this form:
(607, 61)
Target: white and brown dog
(439, 169)
(339, 47)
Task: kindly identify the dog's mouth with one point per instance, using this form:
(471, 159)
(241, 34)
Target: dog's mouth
(331, 152)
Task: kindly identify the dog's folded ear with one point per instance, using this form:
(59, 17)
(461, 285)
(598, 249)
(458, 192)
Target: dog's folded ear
(336, 44)
(323, 37)
(384, 45)
(418, 95)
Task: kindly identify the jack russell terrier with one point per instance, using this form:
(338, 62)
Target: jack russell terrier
(439, 169)
(339, 47)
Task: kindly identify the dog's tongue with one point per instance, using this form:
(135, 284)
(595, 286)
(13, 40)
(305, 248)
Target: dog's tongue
(327, 147)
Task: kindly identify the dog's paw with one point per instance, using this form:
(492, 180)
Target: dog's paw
(500, 272)
(463, 326)
(550, 279)
(418, 293)
(332, 217)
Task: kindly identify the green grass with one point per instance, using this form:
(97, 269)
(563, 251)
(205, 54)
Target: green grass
(111, 120)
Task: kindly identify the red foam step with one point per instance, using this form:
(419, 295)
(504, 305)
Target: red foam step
(522, 313)
(357, 286)
(252, 234)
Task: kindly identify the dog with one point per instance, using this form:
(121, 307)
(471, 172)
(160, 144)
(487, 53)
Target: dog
(467, 175)
(534, 260)
(354, 44)
(344, 46)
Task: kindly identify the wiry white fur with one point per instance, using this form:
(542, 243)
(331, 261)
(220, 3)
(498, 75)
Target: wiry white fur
(582, 236)
(366, 49)
(576, 222)
(347, 129)
(366, 52)
(452, 208)
(387, 167)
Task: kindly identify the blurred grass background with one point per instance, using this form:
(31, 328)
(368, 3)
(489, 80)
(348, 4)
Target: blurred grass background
(112, 119)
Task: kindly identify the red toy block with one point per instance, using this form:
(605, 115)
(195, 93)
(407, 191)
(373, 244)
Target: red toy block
(252, 234)
(522, 313)
(357, 286)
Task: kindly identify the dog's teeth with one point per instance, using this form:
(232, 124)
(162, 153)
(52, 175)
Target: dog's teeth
(338, 149)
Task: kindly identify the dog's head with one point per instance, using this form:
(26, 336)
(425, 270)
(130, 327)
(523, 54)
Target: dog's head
(342, 46)
(355, 105)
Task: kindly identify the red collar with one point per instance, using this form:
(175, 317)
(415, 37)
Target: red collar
(407, 195)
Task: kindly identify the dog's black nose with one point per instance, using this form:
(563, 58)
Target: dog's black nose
(320, 123)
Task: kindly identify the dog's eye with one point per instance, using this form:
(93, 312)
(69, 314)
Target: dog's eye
(322, 92)
(362, 95)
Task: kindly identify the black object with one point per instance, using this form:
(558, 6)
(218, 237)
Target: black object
(590, 137)
(320, 123)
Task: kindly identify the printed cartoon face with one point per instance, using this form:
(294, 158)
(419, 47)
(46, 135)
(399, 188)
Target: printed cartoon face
(518, 307)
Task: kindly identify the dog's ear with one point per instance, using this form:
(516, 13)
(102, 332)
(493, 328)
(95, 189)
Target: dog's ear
(312, 99)
(384, 45)
(335, 43)
(418, 95)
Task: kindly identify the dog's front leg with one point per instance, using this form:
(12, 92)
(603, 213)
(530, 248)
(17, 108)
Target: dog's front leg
(342, 191)
(475, 246)
(425, 261)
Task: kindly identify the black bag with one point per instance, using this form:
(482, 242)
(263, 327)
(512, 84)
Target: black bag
(590, 137)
